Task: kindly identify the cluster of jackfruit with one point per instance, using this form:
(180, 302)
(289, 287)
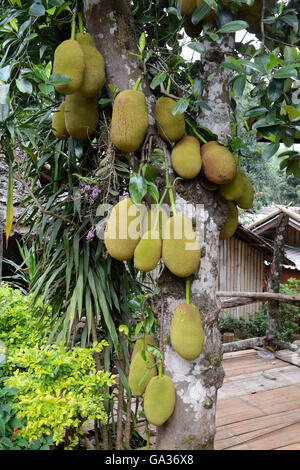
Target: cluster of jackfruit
(130, 232)
(159, 399)
(80, 60)
(218, 171)
(251, 13)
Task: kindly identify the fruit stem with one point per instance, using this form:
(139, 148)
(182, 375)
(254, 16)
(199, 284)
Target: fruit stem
(170, 190)
(160, 370)
(169, 86)
(80, 21)
(200, 136)
(187, 291)
(158, 209)
(137, 83)
(73, 30)
(239, 163)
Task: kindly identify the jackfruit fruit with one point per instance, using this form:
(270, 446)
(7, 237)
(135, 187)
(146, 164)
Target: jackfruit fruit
(218, 163)
(150, 220)
(171, 128)
(186, 334)
(58, 123)
(148, 339)
(94, 73)
(180, 250)
(252, 14)
(186, 157)
(208, 185)
(231, 223)
(148, 251)
(139, 368)
(245, 201)
(68, 59)
(159, 400)
(81, 115)
(123, 230)
(187, 7)
(233, 190)
(129, 122)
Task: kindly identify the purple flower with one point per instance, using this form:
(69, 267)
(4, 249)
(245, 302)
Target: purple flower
(95, 192)
(91, 235)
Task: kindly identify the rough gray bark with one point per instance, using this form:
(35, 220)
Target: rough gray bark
(112, 27)
(192, 425)
(274, 279)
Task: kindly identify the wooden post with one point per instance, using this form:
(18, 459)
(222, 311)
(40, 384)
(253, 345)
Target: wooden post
(274, 279)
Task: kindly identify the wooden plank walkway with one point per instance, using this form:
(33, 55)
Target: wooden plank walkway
(254, 412)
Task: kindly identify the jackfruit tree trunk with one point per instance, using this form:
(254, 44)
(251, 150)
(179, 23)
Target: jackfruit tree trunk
(192, 425)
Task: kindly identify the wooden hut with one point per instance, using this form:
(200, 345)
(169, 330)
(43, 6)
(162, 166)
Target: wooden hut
(242, 261)
(265, 226)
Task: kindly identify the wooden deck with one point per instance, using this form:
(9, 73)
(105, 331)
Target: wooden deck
(255, 412)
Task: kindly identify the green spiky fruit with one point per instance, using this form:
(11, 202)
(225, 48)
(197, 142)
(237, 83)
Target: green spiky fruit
(180, 250)
(129, 122)
(140, 369)
(149, 339)
(58, 123)
(81, 116)
(233, 190)
(123, 230)
(68, 60)
(245, 201)
(94, 72)
(186, 334)
(159, 401)
(186, 157)
(218, 163)
(171, 128)
(231, 222)
(148, 251)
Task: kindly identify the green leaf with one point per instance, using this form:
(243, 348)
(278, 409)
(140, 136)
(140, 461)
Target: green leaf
(270, 149)
(275, 89)
(36, 9)
(292, 112)
(5, 73)
(254, 112)
(233, 26)
(286, 72)
(197, 46)
(25, 86)
(153, 191)
(200, 13)
(158, 79)
(181, 106)
(239, 85)
(142, 42)
(137, 188)
(59, 79)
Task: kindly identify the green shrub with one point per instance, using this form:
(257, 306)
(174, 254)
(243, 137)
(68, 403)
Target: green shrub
(20, 324)
(58, 389)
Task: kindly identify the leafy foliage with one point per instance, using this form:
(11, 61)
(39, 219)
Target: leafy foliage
(19, 323)
(58, 389)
